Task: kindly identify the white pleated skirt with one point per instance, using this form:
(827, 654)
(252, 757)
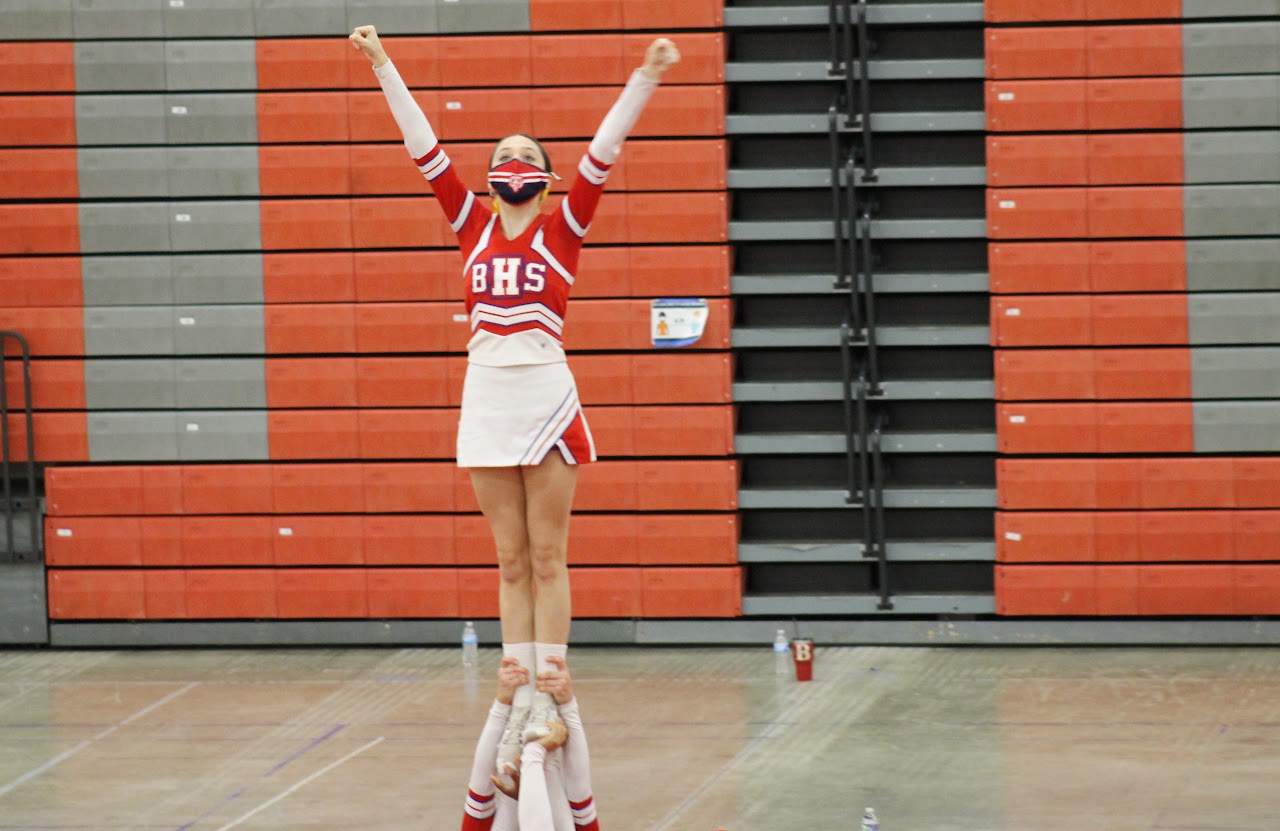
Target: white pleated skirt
(516, 415)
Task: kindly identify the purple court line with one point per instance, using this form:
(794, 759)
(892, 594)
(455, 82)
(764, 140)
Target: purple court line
(288, 760)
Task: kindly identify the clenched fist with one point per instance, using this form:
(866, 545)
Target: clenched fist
(365, 38)
(661, 55)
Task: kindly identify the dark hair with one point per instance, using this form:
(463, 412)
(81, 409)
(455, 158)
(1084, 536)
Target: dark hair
(546, 159)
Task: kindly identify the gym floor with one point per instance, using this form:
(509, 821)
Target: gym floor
(696, 739)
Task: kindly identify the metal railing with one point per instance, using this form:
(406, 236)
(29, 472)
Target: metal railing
(8, 498)
(851, 49)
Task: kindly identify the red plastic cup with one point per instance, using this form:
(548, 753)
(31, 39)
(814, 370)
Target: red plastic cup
(802, 653)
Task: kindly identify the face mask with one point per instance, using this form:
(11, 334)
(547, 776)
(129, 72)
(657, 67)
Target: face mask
(517, 182)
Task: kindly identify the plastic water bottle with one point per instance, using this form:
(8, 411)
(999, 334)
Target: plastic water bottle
(870, 822)
(470, 645)
(781, 653)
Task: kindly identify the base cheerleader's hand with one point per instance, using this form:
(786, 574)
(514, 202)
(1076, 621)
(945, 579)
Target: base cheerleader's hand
(661, 55)
(365, 38)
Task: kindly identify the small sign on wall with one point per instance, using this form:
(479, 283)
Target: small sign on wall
(677, 321)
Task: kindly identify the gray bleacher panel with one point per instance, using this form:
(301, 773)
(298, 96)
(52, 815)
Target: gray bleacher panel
(122, 172)
(209, 18)
(120, 119)
(133, 437)
(1233, 264)
(1230, 8)
(218, 330)
(1236, 426)
(211, 64)
(483, 15)
(1230, 48)
(1231, 101)
(1248, 156)
(1239, 372)
(239, 435)
(128, 330)
(223, 118)
(1232, 210)
(37, 19)
(1234, 318)
(136, 280)
(212, 171)
(92, 19)
(217, 278)
(222, 383)
(107, 227)
(299, 17)
(130, 384)
(215, 226)
(404, 17)
(119, 66)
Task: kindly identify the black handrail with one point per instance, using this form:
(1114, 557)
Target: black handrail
(866, 276)
(843, 269)
(864, 93)
(878, 547)
(6, 466)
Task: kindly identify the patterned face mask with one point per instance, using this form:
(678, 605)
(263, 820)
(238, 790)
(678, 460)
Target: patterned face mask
(517, 182)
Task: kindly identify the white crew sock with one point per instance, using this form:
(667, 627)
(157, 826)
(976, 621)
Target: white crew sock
(527, 656)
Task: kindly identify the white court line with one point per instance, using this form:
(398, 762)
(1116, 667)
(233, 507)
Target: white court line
(67, 754)
(321, 772)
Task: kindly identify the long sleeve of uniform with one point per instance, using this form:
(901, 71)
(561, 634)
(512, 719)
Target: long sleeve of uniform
(535, 802)
(576, 767)
(457, 201)
(480, 805)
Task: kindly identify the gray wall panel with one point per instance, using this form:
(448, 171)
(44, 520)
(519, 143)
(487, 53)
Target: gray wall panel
(1227, 48)
(219, 330)
(1236, 426)
(1234, 318)
(133, 437)
(400, 16)
(211, 64)
(1230, 8)
(212, 171)
(1239, 156)
(215, 226)
(137, 384)
(1233, 264)
(120, 119)
(217, 278)
(1231, 101)
(1232, 210)
(209, 18)
(122, 172)
(37, 19)
(120, 66)
(207, 118)
(129, 330)
(93, 19)
(1241, 372)
(139, 280)
(299, 17)
(222, 383)
(484, 15)
(123, 227)
(239, 435)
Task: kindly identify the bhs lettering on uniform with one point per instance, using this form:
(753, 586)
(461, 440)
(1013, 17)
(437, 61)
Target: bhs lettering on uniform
(511, 277)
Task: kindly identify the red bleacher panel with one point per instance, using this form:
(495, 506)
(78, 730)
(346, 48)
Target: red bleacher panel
(413, 592)
(1119, 483)
(231, 594)
(311, 382)
(1037, 213)
(1135, 51)
(1037, 160)
(29, 174)
(327, 277)
(93, 541)
(408, 275)
(370, 119)
(1069, 484)
(1147, 427)
(663, 217)
(1186, 483)
(165, 594)
(687, 486)
(568, 112)
(1140, 319)
(1019, 11)
(569, 60)
(226, 541)
(313, 434)
(1116, 536)
(317, 488)
(1138, 265)
(1037, 106)
(302, 117)
(303, 63)
(602, 486)
(295, 224)
(1045, 375)
(409, 540)
(38, 120)
(397, 222)
(1135, 104)
(1172, 536)
(687, 538)
(1044, 590)
(606, 592)
(478, 592)
(1142, 373)
(378, 169)
(1186, 590)
(1257, 482)
(1135, 212)
(312, 170)
(684, 431)
(317, 540)
(402, 382)
(613, 430)
(624, 324)
(48, 66)
(48, 331)
(1047, 428)
(223, 489)
(96, 595)
(672, 14)
(1135, 159)
(59, 437)
(1257, 534)
(1041, 320)
(338, 593)
(55, 385)
(161, 540)
(1257, 590)
(484, 61)
(1133, 9)
(702, 56)
(708, 591)
(41, 282)
(594, 539)
(417, 59)
(415, 434)
(39, 229)
(574, 15)
(1035, 53)
(312, 328)
(658, 165)
(407, 487)
(687, 378)
(490, 113)
(473, 541)
(409, 327)
(1045, 537)
(111, 491)
(609, 224)
(1039, 267)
